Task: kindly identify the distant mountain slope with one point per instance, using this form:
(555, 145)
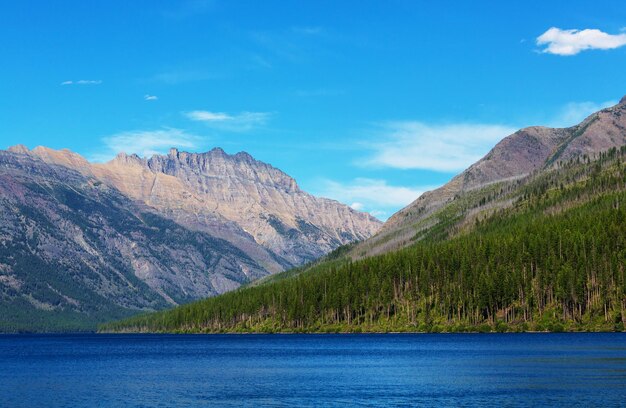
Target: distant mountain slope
(80, 243)
(529, 150)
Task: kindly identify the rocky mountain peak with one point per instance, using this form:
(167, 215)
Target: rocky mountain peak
(623, 100)
(245, 156)
(123, 158)
(217, 164)
(218, 151)
(63, 157)
(19, 148)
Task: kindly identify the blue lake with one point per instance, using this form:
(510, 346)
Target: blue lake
(313, 370)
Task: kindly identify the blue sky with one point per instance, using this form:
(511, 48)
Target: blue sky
(370, 103)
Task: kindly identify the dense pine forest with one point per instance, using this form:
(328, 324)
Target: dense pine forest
(543, 253)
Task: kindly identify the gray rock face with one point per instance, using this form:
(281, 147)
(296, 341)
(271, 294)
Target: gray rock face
(139, 233)
(265, 202)
(528, 150)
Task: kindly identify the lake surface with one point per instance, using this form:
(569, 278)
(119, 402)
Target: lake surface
(313, 370)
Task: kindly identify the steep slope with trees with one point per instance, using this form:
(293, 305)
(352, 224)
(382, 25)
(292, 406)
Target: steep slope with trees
(517, 156)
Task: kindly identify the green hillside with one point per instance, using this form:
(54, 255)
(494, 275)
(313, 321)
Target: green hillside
(543, 253)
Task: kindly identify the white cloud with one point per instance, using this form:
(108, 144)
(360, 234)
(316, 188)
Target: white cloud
(205, 116)
(372, 195)
(381, 215)
(83, 82)
(357, 206)
(241, 122)
(575, 112)
(146, 143)
(571, 42)
(445, 148)
(147, 97)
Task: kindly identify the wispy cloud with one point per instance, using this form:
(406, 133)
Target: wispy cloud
(575, 112)
(444, 148)
(148, 97)
(240, 122)
(357, 206)
(145, 143)
(206, 116)
(372, 195)
(380, 214)
(571, 42)
(83, 82)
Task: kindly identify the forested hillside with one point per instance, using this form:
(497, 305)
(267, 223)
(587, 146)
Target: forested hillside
(546, 252)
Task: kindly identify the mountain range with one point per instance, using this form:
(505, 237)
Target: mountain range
(82, 242)
(530, 237)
